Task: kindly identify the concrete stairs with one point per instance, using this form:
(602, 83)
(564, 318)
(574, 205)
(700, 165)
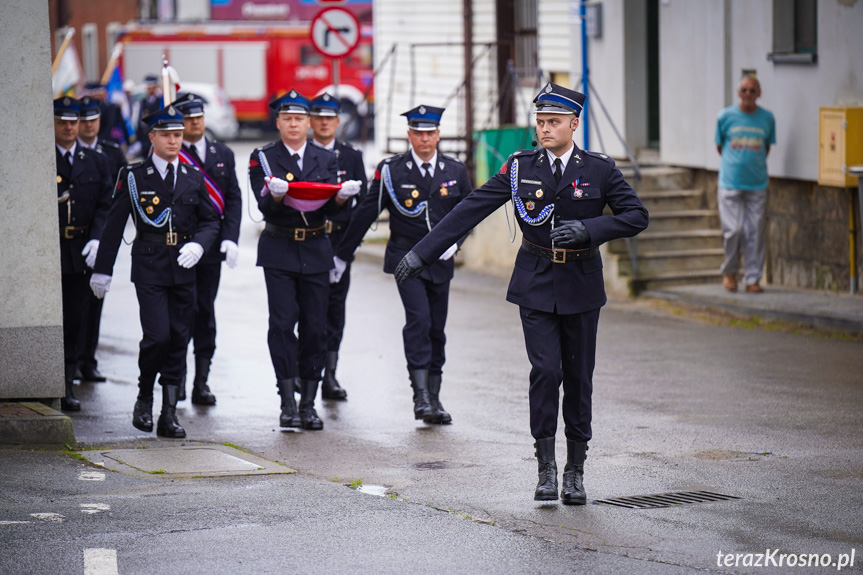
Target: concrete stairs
(683, 243)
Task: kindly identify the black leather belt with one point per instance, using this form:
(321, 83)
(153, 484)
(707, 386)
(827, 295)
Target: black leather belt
(167, 238)
(558, 256)
(402, 241)
(70, 232)
(331, 227)
(296, 234)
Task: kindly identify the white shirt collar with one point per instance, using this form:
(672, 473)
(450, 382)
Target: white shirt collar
(86, 145)
(432, 161)
(162, 166)
(71, 150)
(301, 151)
(564, 159)
(200, 148)
(331, 146)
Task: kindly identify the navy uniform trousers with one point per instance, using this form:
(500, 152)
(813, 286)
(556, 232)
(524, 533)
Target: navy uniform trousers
(165, 290)
(296, 263)
(82, 216)
(220, 166)
(559, 303)
(351, 167)
(116, 159)
(425, 298)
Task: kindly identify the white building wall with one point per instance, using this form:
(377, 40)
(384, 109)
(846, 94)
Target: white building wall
(704, 46)
(424, 69)
(607, 75)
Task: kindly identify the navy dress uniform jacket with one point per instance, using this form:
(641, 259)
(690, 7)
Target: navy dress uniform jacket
(313, 255)
(82, 217)
(450, 184)
(351, 167)
(114, 155)
(220, 166)
(589, 183)
(193, 218)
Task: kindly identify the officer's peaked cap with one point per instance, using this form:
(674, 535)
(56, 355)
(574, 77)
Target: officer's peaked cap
(424, 118)
(67, 108)
(325, 105)
(291, 103)
(554, 99)
(190, 105)
(168, 118)
(90, 108)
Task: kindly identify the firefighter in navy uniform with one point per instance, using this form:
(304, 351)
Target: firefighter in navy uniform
(175, 224)
(296, 255)
(216, 162)
(83, 197)
(325, 122)
(88, 136)
(418, 188)
(559, 194)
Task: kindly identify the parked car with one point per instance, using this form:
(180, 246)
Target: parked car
(219, 112)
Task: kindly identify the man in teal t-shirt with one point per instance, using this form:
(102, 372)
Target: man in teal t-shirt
(744, 134)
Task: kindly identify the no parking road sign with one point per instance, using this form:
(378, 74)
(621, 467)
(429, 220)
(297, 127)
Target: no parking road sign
(335, 32)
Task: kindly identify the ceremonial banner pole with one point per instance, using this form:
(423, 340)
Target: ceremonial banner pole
(69, 33)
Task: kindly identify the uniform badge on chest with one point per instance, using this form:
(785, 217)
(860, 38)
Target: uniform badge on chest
(289, 177)
(529, 205)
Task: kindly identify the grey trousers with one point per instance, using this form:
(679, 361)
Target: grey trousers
(743, 223)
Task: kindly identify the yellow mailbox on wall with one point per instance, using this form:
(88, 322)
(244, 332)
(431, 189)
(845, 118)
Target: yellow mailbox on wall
(840, 145)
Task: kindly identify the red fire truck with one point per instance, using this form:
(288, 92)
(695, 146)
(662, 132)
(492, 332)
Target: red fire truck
(253, 62)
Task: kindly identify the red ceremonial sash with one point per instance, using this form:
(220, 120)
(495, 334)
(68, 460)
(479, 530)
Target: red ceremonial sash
(216, 195)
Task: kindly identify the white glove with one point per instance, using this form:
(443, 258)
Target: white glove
(100, 284)
(190, 254)
(89, 252)
(349, 189)
(277, 186)
(231, 251)
(450, 252)
(338, 270)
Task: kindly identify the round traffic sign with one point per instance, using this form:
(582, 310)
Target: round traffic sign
(335, 32)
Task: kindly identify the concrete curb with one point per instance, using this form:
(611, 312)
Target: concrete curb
(30, 422)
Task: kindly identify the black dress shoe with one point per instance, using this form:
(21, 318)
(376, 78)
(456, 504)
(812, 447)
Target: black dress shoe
(92, 374)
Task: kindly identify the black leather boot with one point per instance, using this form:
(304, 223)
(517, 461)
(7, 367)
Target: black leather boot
(201, 394)
(572, 492)
(546, 489)
(330, 388)
(142, 416)
(69, 402)
(419, 383)
(289, 417)
(168, 426)
(308, 415)
(438, 414)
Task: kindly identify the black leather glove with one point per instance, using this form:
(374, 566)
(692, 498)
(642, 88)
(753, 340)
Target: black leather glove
(570, 234)
(410, 267)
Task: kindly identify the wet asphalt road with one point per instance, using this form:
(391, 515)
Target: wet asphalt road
(772, 418)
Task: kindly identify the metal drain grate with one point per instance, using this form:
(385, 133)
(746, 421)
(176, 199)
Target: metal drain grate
(665, 499)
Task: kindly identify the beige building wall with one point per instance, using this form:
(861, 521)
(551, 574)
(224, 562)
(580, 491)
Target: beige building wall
(31, 333)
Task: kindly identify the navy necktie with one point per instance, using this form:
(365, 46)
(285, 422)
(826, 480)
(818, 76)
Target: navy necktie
(558, 172)
(427, 167)
(169, 177)
(68, 157)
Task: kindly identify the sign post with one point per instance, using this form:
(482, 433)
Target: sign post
(335, 33)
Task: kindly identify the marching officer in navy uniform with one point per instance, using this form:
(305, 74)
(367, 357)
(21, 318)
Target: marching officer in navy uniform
(83, 197)
(418, 187)
(175, 224)
(216, 163)
(88, 136)
(296, 255)
(559, 193)
(325, 121)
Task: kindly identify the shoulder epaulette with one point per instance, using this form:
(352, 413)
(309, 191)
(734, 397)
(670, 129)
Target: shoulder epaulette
(136, 165)
(109, 143)
(597, 155)
(267, 146)
(451, 158)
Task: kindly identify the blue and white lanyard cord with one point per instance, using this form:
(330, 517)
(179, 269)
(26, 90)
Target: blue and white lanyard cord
(413, 213)
(164, 217)
(543, 216)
